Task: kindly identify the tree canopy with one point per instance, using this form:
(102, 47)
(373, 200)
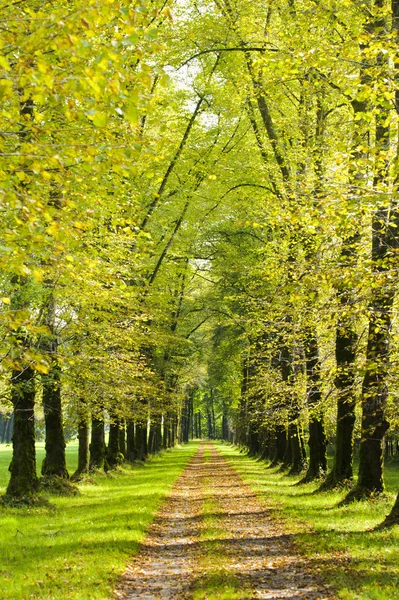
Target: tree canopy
(199, 221)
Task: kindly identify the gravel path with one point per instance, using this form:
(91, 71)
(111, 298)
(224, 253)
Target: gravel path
(250, 546)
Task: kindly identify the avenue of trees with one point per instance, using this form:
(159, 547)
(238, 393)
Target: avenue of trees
(200, 232)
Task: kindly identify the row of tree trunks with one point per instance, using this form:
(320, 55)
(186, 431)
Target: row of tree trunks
(6, 428)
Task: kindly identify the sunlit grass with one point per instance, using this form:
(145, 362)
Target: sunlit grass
(6, 453)
(361, 564)
(77, 549)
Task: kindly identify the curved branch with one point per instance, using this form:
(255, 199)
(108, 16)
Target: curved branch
(236, 49)
(240, 185)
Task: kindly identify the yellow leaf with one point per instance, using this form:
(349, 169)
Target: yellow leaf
(38, 274)
(80, 225)
(167, 12)
(6, 300)
(4, 63)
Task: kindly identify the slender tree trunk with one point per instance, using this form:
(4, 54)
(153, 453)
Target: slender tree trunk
(97, 444)
(122, 438)
(8, 429)
(83, 450)
(345, 352)
(374, 394)
(141, 441)
(317, 437)
(155, 435)
(23, 481)
(83, 439)
(131, 451)
(113, 450)
(280, 445)
(54, 463)
(298, 458)
(173, 431)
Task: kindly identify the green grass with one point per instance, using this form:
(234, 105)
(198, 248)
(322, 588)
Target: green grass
(360, 564)
(6, 453)
(77, 549)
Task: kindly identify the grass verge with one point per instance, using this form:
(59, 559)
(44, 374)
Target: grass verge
(360, 564)
(77, 548)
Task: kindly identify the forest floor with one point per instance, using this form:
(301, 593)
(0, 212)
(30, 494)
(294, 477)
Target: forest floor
(214, 538)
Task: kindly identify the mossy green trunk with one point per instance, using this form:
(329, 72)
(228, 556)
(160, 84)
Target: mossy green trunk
(23, 481)
(54, 462)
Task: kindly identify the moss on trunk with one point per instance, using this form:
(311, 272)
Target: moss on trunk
(23, 481)
(54, 463)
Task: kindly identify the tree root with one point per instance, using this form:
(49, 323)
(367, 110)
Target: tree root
(58, 486)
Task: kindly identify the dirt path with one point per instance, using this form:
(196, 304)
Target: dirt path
(211, 530)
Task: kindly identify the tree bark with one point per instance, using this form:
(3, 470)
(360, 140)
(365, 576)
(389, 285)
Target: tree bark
(97, 444)
(131, 450)
(141, 441)
(23, 481)
(280, 445)
(83, 451)
(113, 450)
(54, 463)
(317, 437)
(122, 438)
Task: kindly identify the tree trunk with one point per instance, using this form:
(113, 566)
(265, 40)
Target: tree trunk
(23, 481)
(97, 444)
(345, 352)
(155, 435)
(280, 445)
(54, 462)
(8, 429)
(131, 450)
(141, 441)
(166, 432)
(298, 458)
(225, 426)
(374, 397)
(317, 437)
(83, 451)
(122, 438)
(113, 450)
(173, 430)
